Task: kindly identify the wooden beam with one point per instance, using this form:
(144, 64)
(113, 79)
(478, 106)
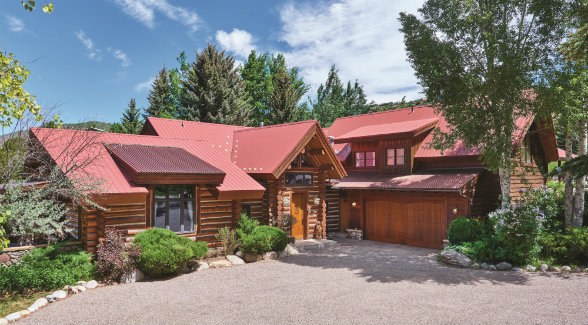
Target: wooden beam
(316, 151)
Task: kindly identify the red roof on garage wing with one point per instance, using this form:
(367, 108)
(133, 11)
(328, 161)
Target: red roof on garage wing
(439, 180)
(405, 128)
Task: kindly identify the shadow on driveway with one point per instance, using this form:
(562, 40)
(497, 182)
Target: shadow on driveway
(384, 262)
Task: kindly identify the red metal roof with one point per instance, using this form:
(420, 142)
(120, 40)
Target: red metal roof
(562, 154)
(440, 180)
(63, 145)
(263, 149)
(404, 127)
(344, 125)
(161, 160)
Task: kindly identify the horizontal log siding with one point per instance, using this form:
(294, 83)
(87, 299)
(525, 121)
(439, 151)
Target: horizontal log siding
(333, 217)
(214, 215)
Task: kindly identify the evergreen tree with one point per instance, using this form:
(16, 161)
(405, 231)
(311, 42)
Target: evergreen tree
(214, 91)
(258, 85)
(130, 122)
(335, 100)
(161, 99)
(284, 100)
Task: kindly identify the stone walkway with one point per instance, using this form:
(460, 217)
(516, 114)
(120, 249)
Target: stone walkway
(355, 282)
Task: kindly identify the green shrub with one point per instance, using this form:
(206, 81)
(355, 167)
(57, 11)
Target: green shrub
(464, 230)
(264, 239)
(246, 225)
(47, 269)
(566, 248)
(549, 200)
(228, 239)
(164, 253)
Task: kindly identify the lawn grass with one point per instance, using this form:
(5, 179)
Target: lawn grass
(19, 301)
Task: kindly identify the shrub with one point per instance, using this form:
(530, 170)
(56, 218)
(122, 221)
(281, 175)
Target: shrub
(245, 226)
(570, 247)
(164, 253)
(4, 215)
(264, 239)
(228, 239)
(114, 258)
(549, 200)
(47, 269)
(464, 230)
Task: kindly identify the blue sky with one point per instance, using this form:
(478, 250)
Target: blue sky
(89, 58)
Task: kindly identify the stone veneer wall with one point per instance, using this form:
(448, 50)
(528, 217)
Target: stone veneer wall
(12, 255)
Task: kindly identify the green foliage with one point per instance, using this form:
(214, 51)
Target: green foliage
(4, 215)
(161, 98)
(164, 253)
(335, 100)
(577, 167)
(214, 91)
(229, 240)
(30, 6)
(264, 239)
(566, 248)
(464, 230)
(47, 269)
(245, 226)
(550, 202)
(131, 122)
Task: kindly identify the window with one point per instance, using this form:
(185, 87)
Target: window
(526, 150)
(301, 161)
(395, 157)
(365, 159)
(173, 208)
(298, 179)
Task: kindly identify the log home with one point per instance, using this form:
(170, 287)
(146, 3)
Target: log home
(195, 178)
(401, 190)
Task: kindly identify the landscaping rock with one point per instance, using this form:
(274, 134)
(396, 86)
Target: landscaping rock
(291, 250)
(453, 257)
(81, 283)
(3, 321)
(202, 266)
(475, 266)
(492, 268)
(270, 256)
(82, 288)
(73, 290)
(503, 266)
(543, 267)
(530, 268)
(566, 268)
(92, 284)
(517, 269)
(577, 270)
(235, 260)
(484, 266)
(4, 258)
(252, 258)
(33, 308)
(59, 294)
(219, 264)
(553, 269)
(135, 276)
(239, 254)
(13, 317)
(24, 313)
(41, 302)
(50, 298)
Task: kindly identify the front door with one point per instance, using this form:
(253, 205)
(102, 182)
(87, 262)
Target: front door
(298, 208)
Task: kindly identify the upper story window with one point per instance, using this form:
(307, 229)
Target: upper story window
(365, 159)
(301, 161)
(526, 150)
(173, 208)
(298, 179)
(395, 157)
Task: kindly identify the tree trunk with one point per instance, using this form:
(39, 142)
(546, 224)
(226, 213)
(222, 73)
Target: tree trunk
(569, 185)
(580, 181)
(504, 176)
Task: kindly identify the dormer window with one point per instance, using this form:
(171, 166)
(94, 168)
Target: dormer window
(395, 157)
(526, 150)
(365, 159)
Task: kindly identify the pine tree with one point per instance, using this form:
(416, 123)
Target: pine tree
(284, 99)
(255, 75)
(214, 91)
(130, 122)
(161, 99)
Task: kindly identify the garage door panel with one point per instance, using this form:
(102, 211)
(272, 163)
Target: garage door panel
(385, 221)
(425, 223)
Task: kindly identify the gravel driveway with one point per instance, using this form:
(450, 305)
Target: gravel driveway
(355, 282)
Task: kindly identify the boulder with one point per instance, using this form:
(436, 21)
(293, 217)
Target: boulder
(553, 269)
(291, 250)
(492, 268)
(24, 313)
(235, 260)
(251, 258)
(219, 264)
(202, 266)
(475, 266)
(503, 266)
(81, 283)
(270, 256)
(4, 258)
(92, 284)
(517, 269)
(81, 288)
(3, 321)
(577, 270)
(13, 317)
(239, 254)
(135, 276)
(586, 270)
(59, 294)
(530, 268)
(455, 258)
(41, 302)
(50, 298)
(566, 268)
(33, 308)
(543, 267)
(73, 290)
(484, 266)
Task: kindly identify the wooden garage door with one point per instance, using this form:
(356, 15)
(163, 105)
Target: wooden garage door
(411, 222)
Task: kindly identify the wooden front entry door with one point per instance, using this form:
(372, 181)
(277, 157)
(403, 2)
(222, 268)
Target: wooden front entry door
(298, 208)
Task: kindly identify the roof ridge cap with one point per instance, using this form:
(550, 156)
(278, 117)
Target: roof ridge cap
(382, 112)
(272, 126)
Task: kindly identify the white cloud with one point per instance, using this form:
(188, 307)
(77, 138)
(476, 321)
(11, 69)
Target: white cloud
(238, 41)
(15, 24)
(361, 37)
(123, 57)
(144, 11)
(145, 85)
(93, 52)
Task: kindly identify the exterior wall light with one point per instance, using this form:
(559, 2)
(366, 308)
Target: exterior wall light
(354, 204)
(455, 210)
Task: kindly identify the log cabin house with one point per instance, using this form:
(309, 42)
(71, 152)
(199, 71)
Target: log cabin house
(401, 190)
